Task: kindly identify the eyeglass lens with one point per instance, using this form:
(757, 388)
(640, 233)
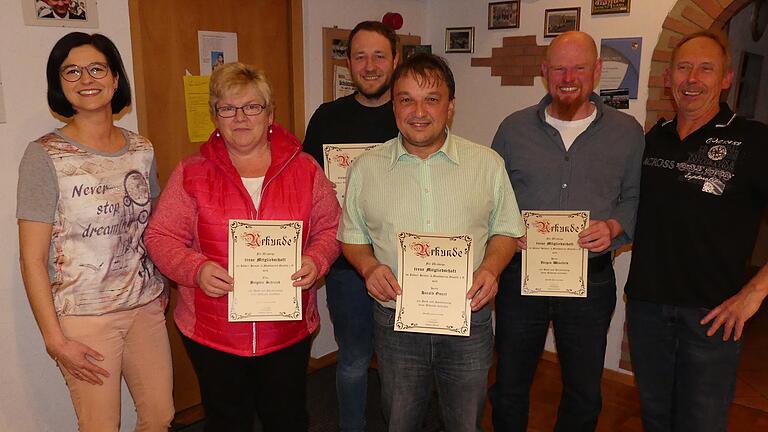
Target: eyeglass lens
(229, 111)
(73, 73)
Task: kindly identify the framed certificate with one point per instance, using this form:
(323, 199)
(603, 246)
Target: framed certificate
(435, 274)
(263, 255)
(338, 158)
(553, 263)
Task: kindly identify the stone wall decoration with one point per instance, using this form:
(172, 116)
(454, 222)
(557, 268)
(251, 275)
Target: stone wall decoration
(517, 61)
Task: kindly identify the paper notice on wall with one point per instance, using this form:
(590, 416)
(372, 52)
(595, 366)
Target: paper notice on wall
(342, 82)
(216, 48)
(621, 64)
(199, 124)
(2, 101)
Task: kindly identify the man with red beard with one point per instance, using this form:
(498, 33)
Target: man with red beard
(703, 192)
(568, 152)
(363, 117)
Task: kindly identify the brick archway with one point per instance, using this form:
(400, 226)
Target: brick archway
(687, 16)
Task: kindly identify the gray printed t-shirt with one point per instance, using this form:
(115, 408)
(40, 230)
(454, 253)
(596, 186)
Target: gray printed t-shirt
(98, 205)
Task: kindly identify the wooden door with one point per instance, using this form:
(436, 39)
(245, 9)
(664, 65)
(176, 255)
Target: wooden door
(164, 38)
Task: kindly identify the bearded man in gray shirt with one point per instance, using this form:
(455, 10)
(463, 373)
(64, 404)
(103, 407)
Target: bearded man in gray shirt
(569, 152)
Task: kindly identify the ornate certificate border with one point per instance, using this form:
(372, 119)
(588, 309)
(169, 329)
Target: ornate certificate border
(402, 323)
(582, 220)
(293, 229)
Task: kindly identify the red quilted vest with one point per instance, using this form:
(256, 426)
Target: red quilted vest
(215, 185)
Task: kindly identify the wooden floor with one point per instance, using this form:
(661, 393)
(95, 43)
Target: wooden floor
(621, 406)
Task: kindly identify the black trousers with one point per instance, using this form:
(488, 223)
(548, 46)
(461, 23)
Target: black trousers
(235, 389)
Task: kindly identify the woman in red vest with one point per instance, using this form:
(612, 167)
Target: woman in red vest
(253, 169)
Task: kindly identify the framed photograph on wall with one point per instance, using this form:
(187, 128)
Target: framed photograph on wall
(411, 50)
(557, 21)
(604, 7)
(459, 39)
(60, 13)
(504, 14)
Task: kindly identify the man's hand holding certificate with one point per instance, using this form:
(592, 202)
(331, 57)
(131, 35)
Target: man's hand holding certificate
(435, 274)
(263, 255)
(553, 262)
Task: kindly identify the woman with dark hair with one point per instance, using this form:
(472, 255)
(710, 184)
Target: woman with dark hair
(84, 198)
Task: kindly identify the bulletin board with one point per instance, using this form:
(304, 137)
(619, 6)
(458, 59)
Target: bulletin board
(335, 33)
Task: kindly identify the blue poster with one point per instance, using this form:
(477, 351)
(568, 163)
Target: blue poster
(621, 64)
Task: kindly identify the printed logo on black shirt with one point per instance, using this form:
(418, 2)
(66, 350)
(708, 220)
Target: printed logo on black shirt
(711, 167)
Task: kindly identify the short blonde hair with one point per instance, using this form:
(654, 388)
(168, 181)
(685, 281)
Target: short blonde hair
(235, 77)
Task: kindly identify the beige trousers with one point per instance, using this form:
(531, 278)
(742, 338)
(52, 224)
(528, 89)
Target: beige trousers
(134, 344)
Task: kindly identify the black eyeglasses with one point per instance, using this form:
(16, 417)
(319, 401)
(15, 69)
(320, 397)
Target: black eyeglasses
(73, 73)
(229, 111)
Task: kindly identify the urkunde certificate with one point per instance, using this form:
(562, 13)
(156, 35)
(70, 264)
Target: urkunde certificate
(263, 254)
(554, 264)
(435, 274)
(338, 158)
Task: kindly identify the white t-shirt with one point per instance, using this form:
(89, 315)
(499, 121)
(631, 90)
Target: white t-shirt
(253, 186)
(570, 130)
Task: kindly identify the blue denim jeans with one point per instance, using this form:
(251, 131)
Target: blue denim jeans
(686, 379)
(409, 363)
(352, 314)
(580, 326)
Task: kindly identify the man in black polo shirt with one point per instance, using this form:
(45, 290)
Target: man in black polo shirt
(702, 193)
(363, 117)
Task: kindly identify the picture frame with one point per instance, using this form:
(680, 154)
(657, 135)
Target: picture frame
(607, 7)
(503, 15)
(459, 39)
(411, 50)
(561, 20)
(75, 13)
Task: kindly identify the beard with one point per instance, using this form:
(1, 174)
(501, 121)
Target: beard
(567, 108)
(372, 95)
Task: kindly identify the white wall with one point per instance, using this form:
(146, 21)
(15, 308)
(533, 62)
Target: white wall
(33, 396)
(32, 392)
(344, 14)
(482, 103)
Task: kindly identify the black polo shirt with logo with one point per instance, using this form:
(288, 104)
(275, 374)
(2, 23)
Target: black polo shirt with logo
(701, 200)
